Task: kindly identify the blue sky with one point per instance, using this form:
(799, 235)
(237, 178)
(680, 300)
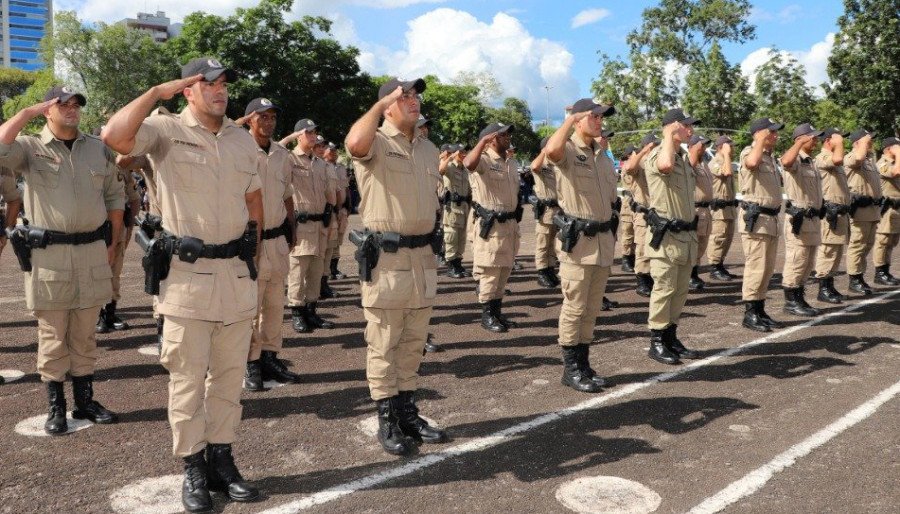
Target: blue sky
(525, 44)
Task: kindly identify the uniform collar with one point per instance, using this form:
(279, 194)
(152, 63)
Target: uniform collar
(47, 135)
(189, 120)
(494, 155)
(580, 143)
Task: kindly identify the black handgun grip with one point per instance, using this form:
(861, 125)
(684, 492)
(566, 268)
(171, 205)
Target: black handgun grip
(797, 223)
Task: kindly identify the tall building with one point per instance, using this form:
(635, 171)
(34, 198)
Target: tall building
(24, 23)
(157, 25)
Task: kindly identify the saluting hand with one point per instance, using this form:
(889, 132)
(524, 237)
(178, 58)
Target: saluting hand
(245, 120)
(761, 135)
(391, 98)
(167, 90)
(38, 109)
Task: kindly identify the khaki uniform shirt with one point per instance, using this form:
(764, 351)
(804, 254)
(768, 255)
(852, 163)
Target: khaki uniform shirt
(495, 186)
(142, 164)
(834, 190)
(803, 187)
(456, 180)
(723, 187)
(636, 182)
(890, 187)
(274, 169)
(397, 182)
(312, 190)
(584, 192)
(672, 195)
(761, 186)
(545, 189)
(67, 191)
(864, 180)
(703, 192)
(8, 190)
(202, 179)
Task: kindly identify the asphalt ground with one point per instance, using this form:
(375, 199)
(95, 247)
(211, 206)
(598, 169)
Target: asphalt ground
(801, 420)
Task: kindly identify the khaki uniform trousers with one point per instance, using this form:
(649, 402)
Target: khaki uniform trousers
(66, 343)
(206, 362)
(721, 237)
(454, 242)
(626, 234)
(343, 219)
(491, 281)
(702, 243)
(304, 279)
(395, 340)
(799, 261)
(121, 246)
(759, 265)
(670, 287)
(884, 245)
(862, 239)
(266, 333)
(545, 246)
(582, 287)
(828, 259)
(641, 261)
(330, 252)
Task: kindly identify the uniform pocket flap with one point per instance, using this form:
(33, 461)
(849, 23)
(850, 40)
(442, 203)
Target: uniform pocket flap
(50, 275)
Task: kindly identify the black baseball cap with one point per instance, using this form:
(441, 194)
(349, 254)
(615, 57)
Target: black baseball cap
(320, 140)
(650, 138)
(445, 147)
(627, 151)
(607, 134)
(889, 142)
(678, 115)
(457, 148)
(859, 134)
(827, 133)
(422, 121)
(589, 105)
(721, 140)
(806, 129)
(64, 93)
(496, 127)
(305, 124)
(261, 105)
(697, 138)
(765, 123)
(209, 67)
(407, 85)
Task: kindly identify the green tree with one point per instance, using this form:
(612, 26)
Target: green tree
(830, 114)
(515, 112)
(457, 115)
(683, 29)
(782, 94)
(297, 64)
(489, 89)
(716, 93)
(14, 82)
(44, 80)
(864, 66)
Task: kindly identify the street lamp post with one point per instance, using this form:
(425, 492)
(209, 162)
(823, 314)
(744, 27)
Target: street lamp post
(548, 88)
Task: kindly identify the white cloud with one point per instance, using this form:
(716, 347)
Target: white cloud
(588, 16)
(815, 60)
(445, 42)
(786, 14)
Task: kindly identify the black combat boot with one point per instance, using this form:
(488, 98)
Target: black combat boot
(584, 364)
(85, 405)
(752, 319)
(764, 316)
(489, 320)
(608, 304)
(644, 284)
(628, 263)
(112, 320)
(720, 273)
(696, 283)
(546, 277)
(253, 377)
(273, 368)
(335, 272)
(794, 304)
(659, 351)
(430, 347)
(803, 302)
(671, 341)
(455, 268)
(858, 284)
(195, 490)
(827, 292)
(498, 313)
(298, 320)
(313, 319)
(883, 276)
(326, 290)
(572, 374)
(389, 434)
(102, 326)
(56, 417)
(160, 322)
(413, 426)
(223, 476)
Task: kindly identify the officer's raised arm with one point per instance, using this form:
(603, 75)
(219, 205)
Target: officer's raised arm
(556, 145)
(11, 155)
(361, 135)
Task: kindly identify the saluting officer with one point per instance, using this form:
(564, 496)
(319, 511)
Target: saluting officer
(703, 196)
(546, 205)
(74, 204)
(626, 219)
(342, 211)
(209, 192)
(634, 178)
(321, 151)
(835, 225)
(398, 175)
(865, 211)
(723, 207)
(496, 220)
(802, 226)
(671, 236)
(887, 234)
(457, 202)
(761, 188)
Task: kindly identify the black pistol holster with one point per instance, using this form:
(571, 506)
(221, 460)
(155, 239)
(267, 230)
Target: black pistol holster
(367, 252)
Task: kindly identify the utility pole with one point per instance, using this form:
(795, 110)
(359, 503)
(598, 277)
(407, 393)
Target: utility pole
(548, 88)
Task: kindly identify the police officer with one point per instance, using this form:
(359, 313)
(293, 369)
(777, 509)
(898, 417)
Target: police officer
(671, 236)
(457, 196)
(398, 175)
(546, 205)
(835, 226)
(865, 211)
(802, 225)
(609, 180)
(626, 220)
(888, 231)
(703, 196)
(9, 194)
(206, 168)
(314, 199)
(496, 220)
(723, 208)
(635, 180)
(761, 187)
(274, 165)
(334, 241)
(586, 221)
(74, 204)
(342, 210)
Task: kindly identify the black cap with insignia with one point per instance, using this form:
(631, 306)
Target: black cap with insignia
(305, 124)
(64, 94)
(765, 123)
(209, 67)
(260, 105)
(496, 127)
(407, 85)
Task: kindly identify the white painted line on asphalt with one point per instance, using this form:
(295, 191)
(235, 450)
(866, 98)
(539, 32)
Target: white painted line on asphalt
(607, 495)
(504, 435)
(149, 349)
(756, 479)
(158, 495)
(34, 426)
(11, 375)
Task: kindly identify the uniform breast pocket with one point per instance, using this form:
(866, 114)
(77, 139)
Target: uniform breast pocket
(189, 173)
(585, 179)
(399, 176)
(810, 180)
(98, 177)
(45, 174)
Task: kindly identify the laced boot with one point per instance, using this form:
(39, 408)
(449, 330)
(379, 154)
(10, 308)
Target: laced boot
(335, 272)
(584, 365)
(313, 319)
(793, 303)
(608, 304)
(752, 318)
(858, 284)
(56, 417)
(659, 351)
(195, 490)
(628, 263)
(883, 276)
(412, 425)
(546, 278)
(253, 377)
(572, 373)
(489, 320)
(85, 405)
(102, 326)
(389, 434)
(696, 283)
(112, 320)
(298, 320)
(644, 284)
(273, 368)
(223, 475)
(498, 313)
(802, 298)
(326, 290)
(670, 335)
(827, 292)
(764, 316)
